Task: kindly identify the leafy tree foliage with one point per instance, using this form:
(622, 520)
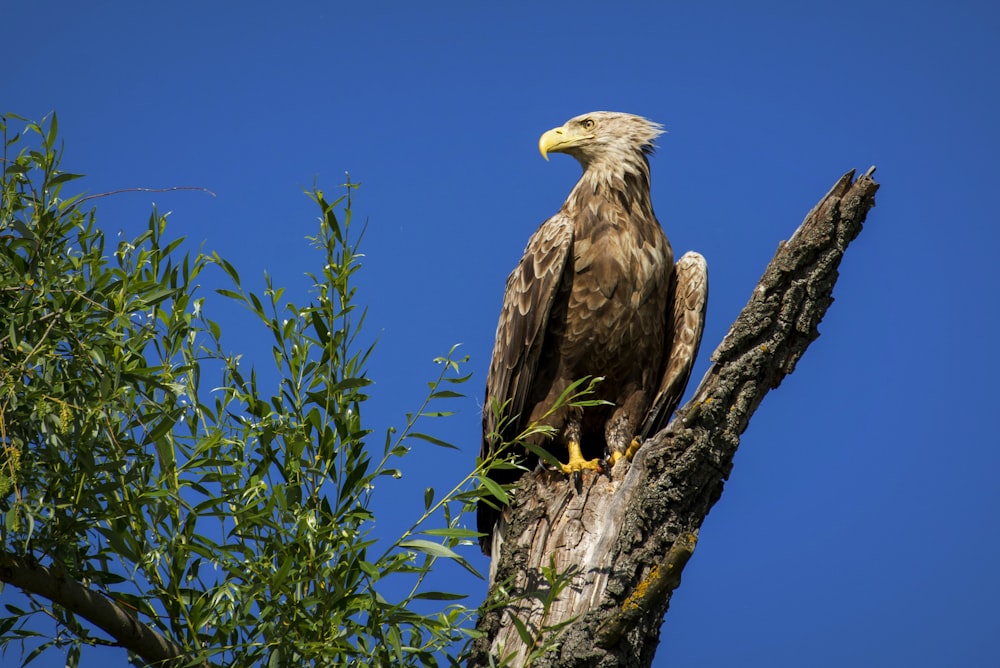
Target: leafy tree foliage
(193, 522)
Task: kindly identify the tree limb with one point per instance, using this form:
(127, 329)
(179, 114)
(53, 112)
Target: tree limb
(116, 620)
(628, 537)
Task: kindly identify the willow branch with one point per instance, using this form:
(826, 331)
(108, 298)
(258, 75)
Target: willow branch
(116, 620)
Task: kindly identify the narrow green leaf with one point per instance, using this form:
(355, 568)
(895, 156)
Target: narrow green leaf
(161, 428)
(350, 384)
(50, 139)
(542, 453)
(430, 547)
(439, 596)
(451, 532)
(433, 440)
(523, 631)
(229, 269)
(495, 489)
(322, 331)
(63, 178)
(257, 306)
(446, 394)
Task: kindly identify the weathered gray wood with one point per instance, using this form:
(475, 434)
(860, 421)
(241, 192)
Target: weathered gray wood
(626, 536)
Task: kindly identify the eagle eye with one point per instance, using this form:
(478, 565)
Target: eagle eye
(588, 123)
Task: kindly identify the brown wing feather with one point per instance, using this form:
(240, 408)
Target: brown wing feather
(524, 318)
(685, 327)
(527, 301)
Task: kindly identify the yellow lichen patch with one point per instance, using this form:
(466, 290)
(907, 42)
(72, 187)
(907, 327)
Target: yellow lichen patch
(658, 583)
(635, 598)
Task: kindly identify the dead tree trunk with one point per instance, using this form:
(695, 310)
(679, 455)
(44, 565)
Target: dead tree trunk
(622, 541)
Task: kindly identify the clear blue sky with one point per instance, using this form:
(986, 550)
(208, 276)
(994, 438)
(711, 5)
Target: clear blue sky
(859, 526)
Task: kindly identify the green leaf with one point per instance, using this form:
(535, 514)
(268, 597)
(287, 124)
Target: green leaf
(12, 520)
(63, 178)
(451, 532)
(319, 325)
(50, 138)
(162, 427)
(430, 547)
(542, 454)
(350, 384)
(522, 631)
(439, 596)
(257, 306)
(229, 269)
(495, 489)
(447, 394)
(432, 439)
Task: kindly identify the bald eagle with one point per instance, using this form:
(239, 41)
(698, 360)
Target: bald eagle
(596, 294)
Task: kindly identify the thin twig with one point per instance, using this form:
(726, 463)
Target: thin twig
(146, 190)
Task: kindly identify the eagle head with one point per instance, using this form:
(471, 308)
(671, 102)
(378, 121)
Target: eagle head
(602, 137)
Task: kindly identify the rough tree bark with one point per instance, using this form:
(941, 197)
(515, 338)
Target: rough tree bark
(626, 538)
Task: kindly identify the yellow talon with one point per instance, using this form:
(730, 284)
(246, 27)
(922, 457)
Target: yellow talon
(629, 453)
(576, 461)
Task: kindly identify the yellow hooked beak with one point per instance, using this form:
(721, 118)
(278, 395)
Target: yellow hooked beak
(558, 140)
(554, 141)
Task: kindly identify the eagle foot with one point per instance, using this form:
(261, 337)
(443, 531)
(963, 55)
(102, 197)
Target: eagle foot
(629, 453)
(577, 463)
